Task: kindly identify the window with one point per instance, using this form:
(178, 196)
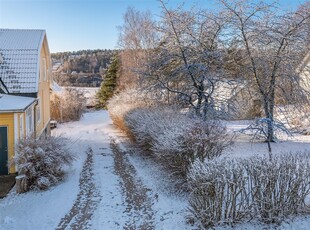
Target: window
(38, 112)
(29, 121)
(21, 127)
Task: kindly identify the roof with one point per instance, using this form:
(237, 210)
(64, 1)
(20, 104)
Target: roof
(20, 55)
(9, 103)
(56, 88)
(306, 60)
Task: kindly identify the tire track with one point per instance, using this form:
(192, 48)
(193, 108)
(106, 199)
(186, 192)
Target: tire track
(137, 199)
(87, 199)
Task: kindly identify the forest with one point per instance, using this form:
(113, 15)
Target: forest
(81, 68)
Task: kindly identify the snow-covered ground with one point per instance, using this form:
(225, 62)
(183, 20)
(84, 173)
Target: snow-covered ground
(245, 146)
(97, 193)
(110, 186)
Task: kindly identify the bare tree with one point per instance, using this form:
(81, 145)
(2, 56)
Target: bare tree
(137, 37)
(272, 45)
(187, 61)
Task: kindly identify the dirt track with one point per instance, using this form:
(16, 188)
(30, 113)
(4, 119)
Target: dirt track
(87, 199)
(137, 198)
(138, 201)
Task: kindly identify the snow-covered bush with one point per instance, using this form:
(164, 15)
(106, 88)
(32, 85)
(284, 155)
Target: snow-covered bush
(279, 187)
(68, 106)
(174, 137)
(218, 193)
(206, 140)
(232, 191)
(42, 161)
(120, 104)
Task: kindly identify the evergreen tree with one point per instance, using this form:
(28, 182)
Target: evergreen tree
(108, 85)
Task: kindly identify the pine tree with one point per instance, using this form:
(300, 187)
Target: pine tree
(108, 85)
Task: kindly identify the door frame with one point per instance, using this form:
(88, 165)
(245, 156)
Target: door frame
(7, 145)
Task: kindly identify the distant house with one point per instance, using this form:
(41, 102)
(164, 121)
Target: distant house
(24, 90)
(237, 100)
(304, 70)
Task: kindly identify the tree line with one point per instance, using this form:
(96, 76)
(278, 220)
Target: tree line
(81, 68)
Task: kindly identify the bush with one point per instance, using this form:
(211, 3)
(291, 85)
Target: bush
(231, 191)
(176, 139)
(120, 104)
(41, 161)
(68, 106)
(164, 131)
(218, 193)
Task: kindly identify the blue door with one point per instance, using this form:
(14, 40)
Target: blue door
(4, 151)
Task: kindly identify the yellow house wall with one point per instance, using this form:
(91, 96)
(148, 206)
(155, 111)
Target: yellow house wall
(7, 119)
(44, 89)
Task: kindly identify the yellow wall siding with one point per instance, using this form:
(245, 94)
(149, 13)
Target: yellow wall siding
(44, 89)
(7, 119)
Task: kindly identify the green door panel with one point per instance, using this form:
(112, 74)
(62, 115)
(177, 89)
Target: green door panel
(3, 150)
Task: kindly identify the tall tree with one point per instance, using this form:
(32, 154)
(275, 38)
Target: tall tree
(109, 83)
(272, 45)
(187, 61)
(137, 38)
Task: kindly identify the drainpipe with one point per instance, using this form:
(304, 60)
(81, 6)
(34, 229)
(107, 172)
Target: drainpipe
(7, 91)
(34, 120)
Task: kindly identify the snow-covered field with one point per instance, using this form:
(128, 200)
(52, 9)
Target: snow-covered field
(109, 187)
(245, 146)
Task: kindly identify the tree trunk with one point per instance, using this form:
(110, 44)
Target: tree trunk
(198, 106)
(269, 107)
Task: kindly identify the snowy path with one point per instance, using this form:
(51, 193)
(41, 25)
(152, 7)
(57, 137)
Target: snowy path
(122, 204)
(111, 186)
(87, 199)
(138, 201)
(106, 188)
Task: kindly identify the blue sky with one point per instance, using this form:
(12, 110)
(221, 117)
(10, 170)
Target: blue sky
(82, 24)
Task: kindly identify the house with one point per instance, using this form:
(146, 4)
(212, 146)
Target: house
(237, 99)
(25, 66)
(304, 71)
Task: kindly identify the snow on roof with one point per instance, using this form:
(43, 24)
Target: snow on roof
(20, 52)
(56, 88)
(9, 103)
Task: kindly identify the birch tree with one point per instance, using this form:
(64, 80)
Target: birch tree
(136, 39)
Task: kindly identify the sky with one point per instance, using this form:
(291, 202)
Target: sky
(73, 25)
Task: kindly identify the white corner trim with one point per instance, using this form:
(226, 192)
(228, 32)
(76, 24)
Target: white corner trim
(16, 137)
(16, 129)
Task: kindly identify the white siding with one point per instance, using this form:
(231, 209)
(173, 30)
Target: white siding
(29, 121)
